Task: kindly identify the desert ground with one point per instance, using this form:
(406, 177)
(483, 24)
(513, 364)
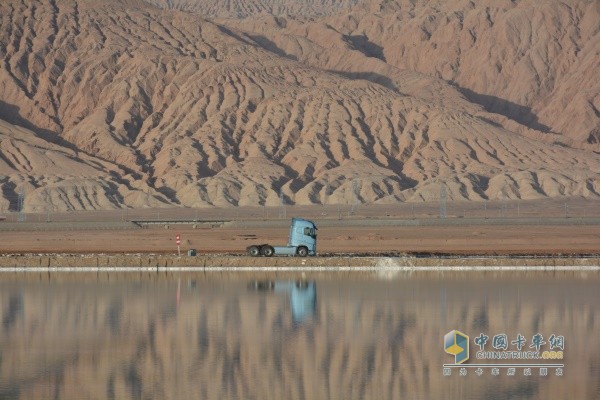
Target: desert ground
(497, 228)
(351, 239)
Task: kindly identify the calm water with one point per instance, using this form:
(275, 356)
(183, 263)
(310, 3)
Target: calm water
(184, 337)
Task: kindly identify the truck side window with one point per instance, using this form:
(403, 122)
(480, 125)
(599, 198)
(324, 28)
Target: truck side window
(310, 232)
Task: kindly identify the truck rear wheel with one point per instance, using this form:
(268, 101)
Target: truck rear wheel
(254, 251)
(267, 251)
(302, 251)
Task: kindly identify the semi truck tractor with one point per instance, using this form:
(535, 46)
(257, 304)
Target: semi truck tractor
(302, 242)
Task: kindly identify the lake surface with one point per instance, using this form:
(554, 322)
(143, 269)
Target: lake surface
(157, 336)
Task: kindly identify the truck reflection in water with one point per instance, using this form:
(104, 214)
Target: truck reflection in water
(302, 295)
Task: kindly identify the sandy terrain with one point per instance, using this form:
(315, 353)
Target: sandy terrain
(351, 239)
(131, 105)
(494, 228)
(251, 8)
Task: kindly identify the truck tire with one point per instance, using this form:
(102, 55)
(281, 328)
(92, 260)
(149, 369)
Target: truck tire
(254, 251)
(302, 251)
(267, 251)
(261, 285)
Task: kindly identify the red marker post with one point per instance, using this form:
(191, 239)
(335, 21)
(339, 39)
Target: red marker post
(178, 241)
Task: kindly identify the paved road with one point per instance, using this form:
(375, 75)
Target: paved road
(366, 222)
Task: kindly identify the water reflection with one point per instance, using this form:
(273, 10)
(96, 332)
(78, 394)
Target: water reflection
(302, 296)
(228, 339)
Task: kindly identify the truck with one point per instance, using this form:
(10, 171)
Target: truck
(302, 242)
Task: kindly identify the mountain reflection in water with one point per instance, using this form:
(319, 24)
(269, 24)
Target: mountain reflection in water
(181, 338)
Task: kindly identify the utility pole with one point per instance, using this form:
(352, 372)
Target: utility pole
(443, 201)
(21, 205)
(355, 184)
(282, 201)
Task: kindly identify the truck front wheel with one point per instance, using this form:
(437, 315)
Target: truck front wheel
(254, 251)
(302, 251)
(267, 251)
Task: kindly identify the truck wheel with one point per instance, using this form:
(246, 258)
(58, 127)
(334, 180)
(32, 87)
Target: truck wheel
(254, 251)
(267, 251)
(302, 251)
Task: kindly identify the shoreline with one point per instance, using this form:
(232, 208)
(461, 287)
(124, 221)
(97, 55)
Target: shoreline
(341, 263)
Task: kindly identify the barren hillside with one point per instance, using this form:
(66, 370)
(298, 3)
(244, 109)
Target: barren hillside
(57, 176)
(250, 8)
(533, 62)
(141, 106)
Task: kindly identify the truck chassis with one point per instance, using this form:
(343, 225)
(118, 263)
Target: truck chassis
(267, 250)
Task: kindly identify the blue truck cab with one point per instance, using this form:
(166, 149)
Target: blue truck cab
(302, 242)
